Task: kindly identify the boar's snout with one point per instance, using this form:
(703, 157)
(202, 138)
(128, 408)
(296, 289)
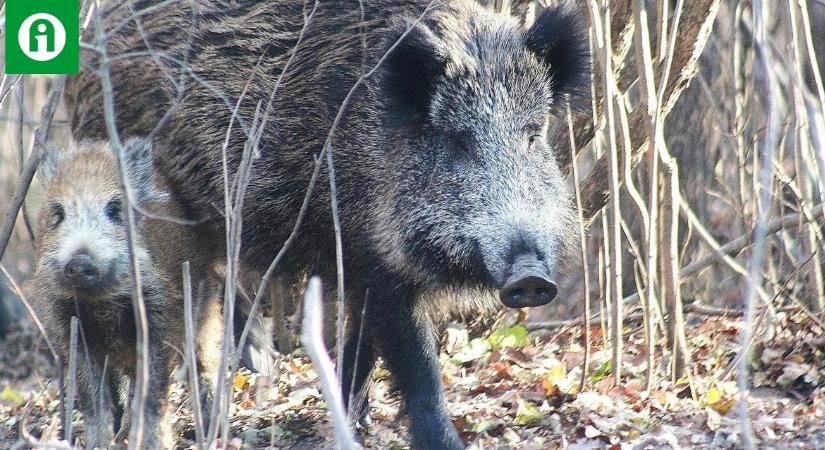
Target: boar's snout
(81, 272)
(530, 283)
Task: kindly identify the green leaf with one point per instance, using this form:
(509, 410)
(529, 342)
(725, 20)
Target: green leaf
(601, 372)
(11, 396)
(475, 349)
(515, 336)
(527, 413)
(483, 426)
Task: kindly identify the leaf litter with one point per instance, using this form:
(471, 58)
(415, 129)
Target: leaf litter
(510, 389)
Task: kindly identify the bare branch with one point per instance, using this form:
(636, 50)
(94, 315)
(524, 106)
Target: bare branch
(40, 137)
(694, 29)
(312, 337)
(141, 388)
(190, 357)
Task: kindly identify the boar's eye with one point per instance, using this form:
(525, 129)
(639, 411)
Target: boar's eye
(56, 216)
(114, 211)
(463, 142)
(535, 140)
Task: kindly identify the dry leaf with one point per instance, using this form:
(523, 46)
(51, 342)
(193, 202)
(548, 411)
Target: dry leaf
(714, 420)
(241, 381)
(591, 432)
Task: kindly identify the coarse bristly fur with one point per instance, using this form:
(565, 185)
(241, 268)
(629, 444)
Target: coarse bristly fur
(442, 166)
(83, 271)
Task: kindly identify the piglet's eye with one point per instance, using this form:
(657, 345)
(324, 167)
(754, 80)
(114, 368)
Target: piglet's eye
(56, 217)
(114, 211)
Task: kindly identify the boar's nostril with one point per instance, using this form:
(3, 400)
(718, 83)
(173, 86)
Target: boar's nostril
(545, 294)
(530, 284)
(528, 291)
(81, 272)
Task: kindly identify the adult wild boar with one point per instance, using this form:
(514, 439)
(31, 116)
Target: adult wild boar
(449, 197)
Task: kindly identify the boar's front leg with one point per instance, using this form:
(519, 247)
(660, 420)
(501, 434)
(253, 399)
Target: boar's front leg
(405, 339)
(158, 420)
(157, 424)
(96, 401)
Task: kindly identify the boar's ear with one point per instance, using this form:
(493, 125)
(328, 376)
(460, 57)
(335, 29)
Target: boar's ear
(49, 162)
(410, 72)
(559, 38)
(51, 158)
(141, 169)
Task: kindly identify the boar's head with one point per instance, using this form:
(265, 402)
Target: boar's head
(467, 101)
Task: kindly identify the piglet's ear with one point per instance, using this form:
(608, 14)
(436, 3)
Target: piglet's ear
(50, 158)
(141, 169)
(410, 73)
(559, 38)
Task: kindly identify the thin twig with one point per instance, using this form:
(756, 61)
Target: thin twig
(304, 206)
(644, 67)
(21, 150)
(766, 149)
(23, 299)
(191, 363)
(7, 84)
(615, 211)
(339, 265)
(141, 388)
(583, 244)
(40, 137)
(29, 441)
(361, 324)
(72, 372)
(742, 242)
(313, 339)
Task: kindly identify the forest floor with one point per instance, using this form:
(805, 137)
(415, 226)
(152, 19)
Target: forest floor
(513, 389)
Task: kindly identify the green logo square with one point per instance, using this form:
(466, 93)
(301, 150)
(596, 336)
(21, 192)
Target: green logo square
(42, 36)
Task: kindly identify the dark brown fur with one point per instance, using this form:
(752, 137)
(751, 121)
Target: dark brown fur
(444, 176)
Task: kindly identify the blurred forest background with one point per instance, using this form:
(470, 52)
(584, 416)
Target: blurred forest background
(700, 174)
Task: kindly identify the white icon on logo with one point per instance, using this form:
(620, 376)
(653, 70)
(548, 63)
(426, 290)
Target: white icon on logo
(41, 37)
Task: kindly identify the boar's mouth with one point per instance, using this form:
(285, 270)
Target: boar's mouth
(530, 284)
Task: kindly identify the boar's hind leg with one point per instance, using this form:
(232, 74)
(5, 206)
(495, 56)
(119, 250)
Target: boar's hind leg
(406, 343)
(210, 345)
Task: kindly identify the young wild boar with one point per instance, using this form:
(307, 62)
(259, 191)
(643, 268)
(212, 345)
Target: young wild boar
(83, 270)
(449, 197)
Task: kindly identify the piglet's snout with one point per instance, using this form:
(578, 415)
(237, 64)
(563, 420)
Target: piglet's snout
(530, 284)
(81, 272)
